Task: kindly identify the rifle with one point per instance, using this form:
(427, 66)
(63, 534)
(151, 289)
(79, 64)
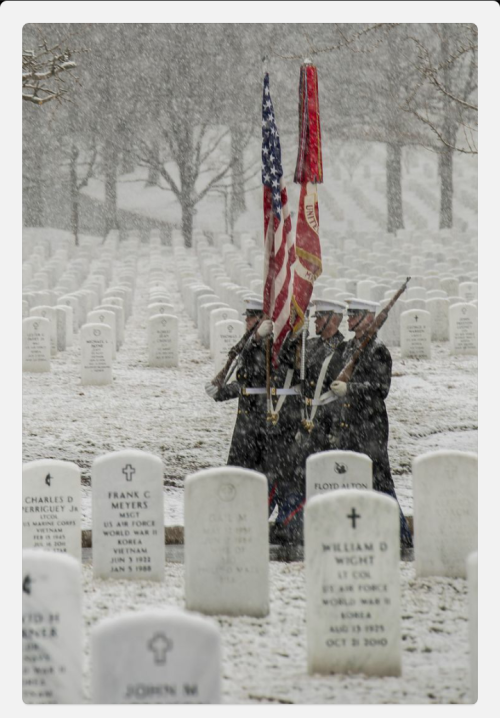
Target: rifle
(379, 320)
(232, 354)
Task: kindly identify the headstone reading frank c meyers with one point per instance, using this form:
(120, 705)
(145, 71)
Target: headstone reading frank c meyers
(127, 513)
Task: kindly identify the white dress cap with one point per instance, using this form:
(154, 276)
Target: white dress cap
(328, 305)
(361, 305)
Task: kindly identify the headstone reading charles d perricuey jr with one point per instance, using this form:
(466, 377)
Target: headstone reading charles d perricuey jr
(226, 538)
(51, 506)
(352, 583)
(156, 656)
(415, 327)
(127, 515)
(52, 628)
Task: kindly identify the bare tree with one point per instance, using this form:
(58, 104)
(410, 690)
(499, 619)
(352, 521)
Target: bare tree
(46, 65)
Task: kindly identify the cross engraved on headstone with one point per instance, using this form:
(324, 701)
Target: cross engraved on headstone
(48, 479)
(27, 584)
(160, 645)
(353, 516)
(416, 317)
(129, 471)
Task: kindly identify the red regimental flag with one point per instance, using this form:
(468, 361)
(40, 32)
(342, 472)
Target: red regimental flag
(308, 172)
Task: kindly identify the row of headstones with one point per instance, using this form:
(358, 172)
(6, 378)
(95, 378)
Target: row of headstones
(100, 313)
(127, 501)
(162, 322)
(351, 551)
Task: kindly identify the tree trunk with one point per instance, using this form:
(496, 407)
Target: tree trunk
(394, 192)
(110, 193)
(446, 176)
(73, 184)
(128, 165)
(188, 212)
(153, 170)
(449, 134)
(238, 204)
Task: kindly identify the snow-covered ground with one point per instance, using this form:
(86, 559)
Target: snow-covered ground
(264, 659)
(432, 405)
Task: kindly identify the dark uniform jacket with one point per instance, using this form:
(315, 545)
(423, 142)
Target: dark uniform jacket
(249, 436)
(287, 452)
(363, 422)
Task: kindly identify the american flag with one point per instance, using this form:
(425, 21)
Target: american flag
(279, 250)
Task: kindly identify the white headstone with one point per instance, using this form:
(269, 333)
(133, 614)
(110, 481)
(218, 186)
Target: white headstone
(36, 344)
(105, 316)
(49, 313)
(127, 515)
(439, 308)
(352, 583)
(96, 342)
(163, 340)
(160, 308)
(220, 315)
(226, 539)
(468, 290)
(68, 322)
(165, 656)
(415, 327)
(390, 332)
(226, 334)
(472, 576)
(463, 329)
(445, 512)
(334, 470)
(51, 506)
(204, 322)
(52, 628)
(120, 321)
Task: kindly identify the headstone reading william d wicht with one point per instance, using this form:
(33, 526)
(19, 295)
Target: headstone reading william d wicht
(352, 583)
(127, 516)
(156, 656)
(96, 342)
(163, 340)
(226, 542)
(52, 628)
(445, 512)
(36, 344)
(51, 506)
(334, 470)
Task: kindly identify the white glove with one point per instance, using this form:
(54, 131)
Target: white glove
(211, 390)
(339, 388)
(265, 329)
